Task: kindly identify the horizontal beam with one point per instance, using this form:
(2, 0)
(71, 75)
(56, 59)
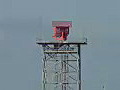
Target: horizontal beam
(60, 83)
(61, 72)
(59, 52)
(60, 60)
(67, 43)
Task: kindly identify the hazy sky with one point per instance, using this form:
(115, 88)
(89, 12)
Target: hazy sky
(21, 21)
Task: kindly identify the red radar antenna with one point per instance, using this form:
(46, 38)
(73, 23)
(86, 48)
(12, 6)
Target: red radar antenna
(61, 29)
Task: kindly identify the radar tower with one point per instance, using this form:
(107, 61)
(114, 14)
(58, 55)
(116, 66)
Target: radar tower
(62, 60)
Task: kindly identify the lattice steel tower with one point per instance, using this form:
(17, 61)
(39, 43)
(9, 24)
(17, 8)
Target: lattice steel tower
(62, 60)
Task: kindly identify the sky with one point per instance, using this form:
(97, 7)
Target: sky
(22, 21)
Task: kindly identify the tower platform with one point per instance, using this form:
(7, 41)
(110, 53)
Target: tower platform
(63, 43)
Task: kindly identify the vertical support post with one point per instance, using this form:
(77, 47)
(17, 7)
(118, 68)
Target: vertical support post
(79, 66)
(44, 67)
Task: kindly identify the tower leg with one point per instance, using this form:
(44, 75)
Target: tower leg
(79, 65)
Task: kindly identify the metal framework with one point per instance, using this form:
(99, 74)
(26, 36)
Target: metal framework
(61, 65)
